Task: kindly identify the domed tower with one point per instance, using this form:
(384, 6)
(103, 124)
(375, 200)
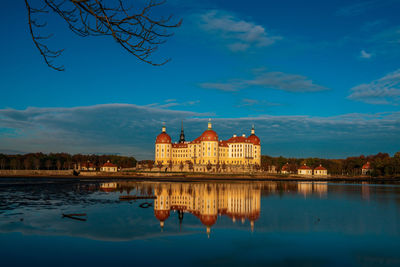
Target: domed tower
(163, 149)
(162, 205)
(255, 206)
(209, 146)
(208, 207)
(253, 138)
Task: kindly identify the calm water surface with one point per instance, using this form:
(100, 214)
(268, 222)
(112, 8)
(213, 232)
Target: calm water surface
(202, 223)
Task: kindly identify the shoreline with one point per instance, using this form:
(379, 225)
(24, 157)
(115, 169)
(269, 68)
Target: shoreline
(194, 177)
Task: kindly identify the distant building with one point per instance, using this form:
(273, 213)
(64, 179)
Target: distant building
(366, 168)
(304, 170)
(88, 166)
(109, 167)
(285, 169)
(320, 171)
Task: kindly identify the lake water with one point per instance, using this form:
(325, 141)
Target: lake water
(200, 223)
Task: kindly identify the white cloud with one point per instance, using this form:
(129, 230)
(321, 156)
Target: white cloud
(383, 91)
(131, 130)
(239, 35)
(269, 80)
(228, 87)
(248, 102)
(365, 54)
(173, 103)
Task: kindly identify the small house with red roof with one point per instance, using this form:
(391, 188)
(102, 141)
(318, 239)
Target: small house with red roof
(285, 169)
(304, 170)
(109, 167)
(320, 171)
(366, 168)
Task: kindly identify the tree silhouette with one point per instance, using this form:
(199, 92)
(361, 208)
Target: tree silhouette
(159, 165)
(209, 166)
(150, 164)
(190, 165)
(137, 30)
(181, 166)
(170, 164)
(223, 166)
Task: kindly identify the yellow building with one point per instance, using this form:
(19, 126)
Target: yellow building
(208, 153)
(304, 170)
(109, 167)
(320, 171)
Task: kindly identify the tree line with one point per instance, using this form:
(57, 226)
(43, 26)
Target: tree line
(382, 164)
(60, 161)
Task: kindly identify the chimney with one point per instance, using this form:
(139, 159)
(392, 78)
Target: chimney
(234, 135)
(243, 135)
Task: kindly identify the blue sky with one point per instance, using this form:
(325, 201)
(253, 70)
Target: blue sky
(317, 78)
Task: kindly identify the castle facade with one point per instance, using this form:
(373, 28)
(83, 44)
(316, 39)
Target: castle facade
(207, 152)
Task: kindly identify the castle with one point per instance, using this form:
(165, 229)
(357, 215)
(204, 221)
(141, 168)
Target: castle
(208, 153)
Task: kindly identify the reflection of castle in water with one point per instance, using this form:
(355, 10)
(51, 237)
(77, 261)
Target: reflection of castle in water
(207, 201)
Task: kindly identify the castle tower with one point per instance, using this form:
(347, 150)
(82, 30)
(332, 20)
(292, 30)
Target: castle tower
(209, 146)
(163, 148)
(256, 153)
(182, 136)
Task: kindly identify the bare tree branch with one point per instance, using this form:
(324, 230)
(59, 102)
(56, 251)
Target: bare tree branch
(138, 32)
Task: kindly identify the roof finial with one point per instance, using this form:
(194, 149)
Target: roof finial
(209, 124)
(252, 130)
(163, 127)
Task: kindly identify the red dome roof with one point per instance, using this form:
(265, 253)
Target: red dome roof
(304, 167)
(320, 168)
(161, 215)
(208, 220)
(163, 138)
(254, 139)
(285, 167)
(209, 135)
(109, 164)
(366, 166)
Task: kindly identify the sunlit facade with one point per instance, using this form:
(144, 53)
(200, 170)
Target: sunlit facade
(207, 149)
